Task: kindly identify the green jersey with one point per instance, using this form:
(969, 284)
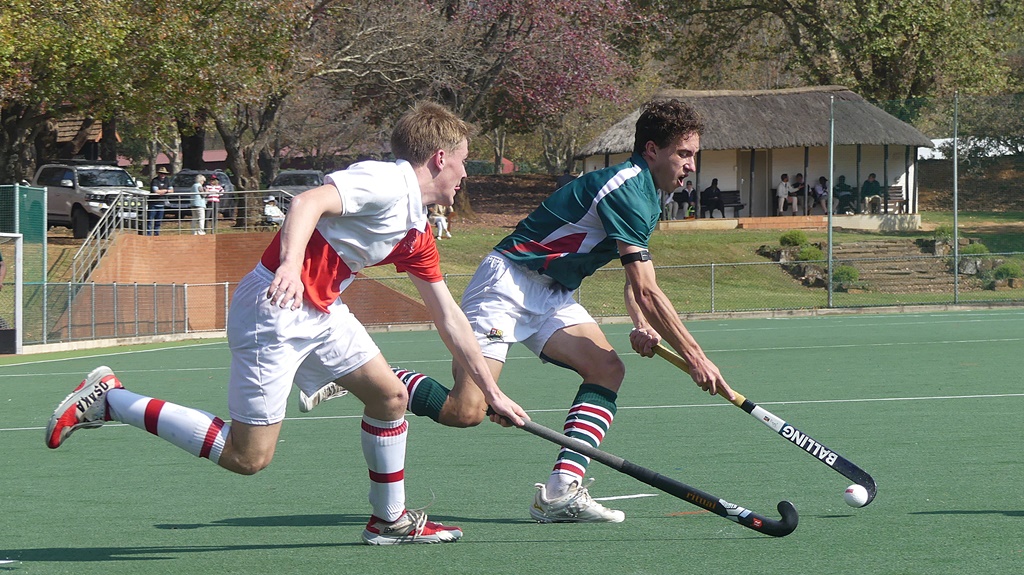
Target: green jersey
(574, 232)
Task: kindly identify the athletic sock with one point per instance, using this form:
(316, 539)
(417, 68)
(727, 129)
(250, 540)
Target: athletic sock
(589, 418)
(384, 450)
(200, 433)
(426, 395)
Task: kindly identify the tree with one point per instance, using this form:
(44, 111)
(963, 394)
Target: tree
(44, 75)
(880, 49)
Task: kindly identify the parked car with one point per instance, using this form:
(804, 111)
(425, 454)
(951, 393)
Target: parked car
(297, 181)
(179, 203)
(291, 183)
(77, 195)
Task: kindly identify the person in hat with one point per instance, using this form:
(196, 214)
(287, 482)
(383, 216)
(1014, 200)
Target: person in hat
(271, 211)
(159, 187)
(213, 190)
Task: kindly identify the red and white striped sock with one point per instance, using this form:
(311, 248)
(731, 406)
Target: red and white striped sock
(200, 433)
(588, 420)
(384, 450)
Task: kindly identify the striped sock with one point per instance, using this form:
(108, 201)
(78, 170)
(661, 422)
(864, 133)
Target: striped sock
(589, 418)
(384, 450)
(426, 395)
(200, 433)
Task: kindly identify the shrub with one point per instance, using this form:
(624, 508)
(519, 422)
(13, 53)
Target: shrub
(943, 233)
(845, 274)
(793, 238)
(1007, 271)
(810, 253)
(974, 249)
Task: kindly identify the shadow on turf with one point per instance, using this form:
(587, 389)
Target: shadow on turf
(972, 512)
(323, 520)
(98, 554)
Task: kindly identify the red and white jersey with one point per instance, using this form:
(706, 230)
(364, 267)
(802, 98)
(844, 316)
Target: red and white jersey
(384, 222)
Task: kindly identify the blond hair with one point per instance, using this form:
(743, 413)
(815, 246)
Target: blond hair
(425, 129)
(200, 179)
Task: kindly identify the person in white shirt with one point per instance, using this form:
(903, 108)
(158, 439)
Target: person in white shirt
(782, 193)
(289, 325)
(271, 211)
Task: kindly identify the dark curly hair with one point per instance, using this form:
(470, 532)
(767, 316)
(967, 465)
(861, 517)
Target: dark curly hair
(664, 121)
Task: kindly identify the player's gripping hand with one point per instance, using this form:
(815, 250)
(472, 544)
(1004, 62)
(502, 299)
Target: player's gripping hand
(505, 412)
(286, 289)
(643, 340)
(706, 375)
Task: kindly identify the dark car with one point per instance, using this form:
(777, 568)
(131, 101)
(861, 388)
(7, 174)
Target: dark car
(297, 181)
(179, 203)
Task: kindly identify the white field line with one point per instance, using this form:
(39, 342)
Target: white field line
(9, 377)
(678, 406)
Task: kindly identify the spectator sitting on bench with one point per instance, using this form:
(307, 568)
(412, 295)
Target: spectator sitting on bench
(820, 192)
(844, 196)
(711, 199)
(686, 198)
(782, 192)
(871, 194)
(271, 213)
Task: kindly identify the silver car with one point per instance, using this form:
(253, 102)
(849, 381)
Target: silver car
(78, 194)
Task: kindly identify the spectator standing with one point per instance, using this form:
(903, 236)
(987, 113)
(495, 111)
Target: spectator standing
(782, 192)
(213, 191)
(564, 179)
(711, 198)
(198, 206)
(159, 187)
(271, 211)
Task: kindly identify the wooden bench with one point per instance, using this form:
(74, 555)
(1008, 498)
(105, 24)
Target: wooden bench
(730, 199)
(897, 200)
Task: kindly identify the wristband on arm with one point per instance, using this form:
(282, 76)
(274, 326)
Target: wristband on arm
(640, 256)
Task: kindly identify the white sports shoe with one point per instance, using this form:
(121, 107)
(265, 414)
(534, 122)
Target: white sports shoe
(330, 391)
(576, 506)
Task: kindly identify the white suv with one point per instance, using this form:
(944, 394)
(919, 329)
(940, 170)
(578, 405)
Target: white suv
(77, 195)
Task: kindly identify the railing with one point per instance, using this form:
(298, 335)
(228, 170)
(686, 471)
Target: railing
(85, 311)
(238, 212)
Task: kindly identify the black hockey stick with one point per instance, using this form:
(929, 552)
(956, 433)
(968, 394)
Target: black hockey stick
(798, 438)
(744, 517)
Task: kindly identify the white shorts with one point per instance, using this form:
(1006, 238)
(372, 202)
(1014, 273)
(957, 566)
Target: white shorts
(272, 347)
(507, 303)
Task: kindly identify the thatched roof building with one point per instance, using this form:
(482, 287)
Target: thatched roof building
(773, 119)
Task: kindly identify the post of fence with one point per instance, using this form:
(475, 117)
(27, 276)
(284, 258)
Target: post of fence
(70, 315)
(226, 302)
(92, 309)
(184, 296)
(136, 309)
(174, 305)
(712, 287)
(156, 318)
(115, 308)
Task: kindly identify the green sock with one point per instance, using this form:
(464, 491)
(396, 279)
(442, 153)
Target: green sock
(426, 395)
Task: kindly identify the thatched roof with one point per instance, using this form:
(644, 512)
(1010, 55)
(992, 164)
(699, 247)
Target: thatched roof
(771, 119)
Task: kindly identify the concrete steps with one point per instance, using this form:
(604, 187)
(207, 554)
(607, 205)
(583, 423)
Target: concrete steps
(895, 266)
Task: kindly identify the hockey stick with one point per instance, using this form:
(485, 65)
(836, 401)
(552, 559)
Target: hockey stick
(744, 517)
(798, 438)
